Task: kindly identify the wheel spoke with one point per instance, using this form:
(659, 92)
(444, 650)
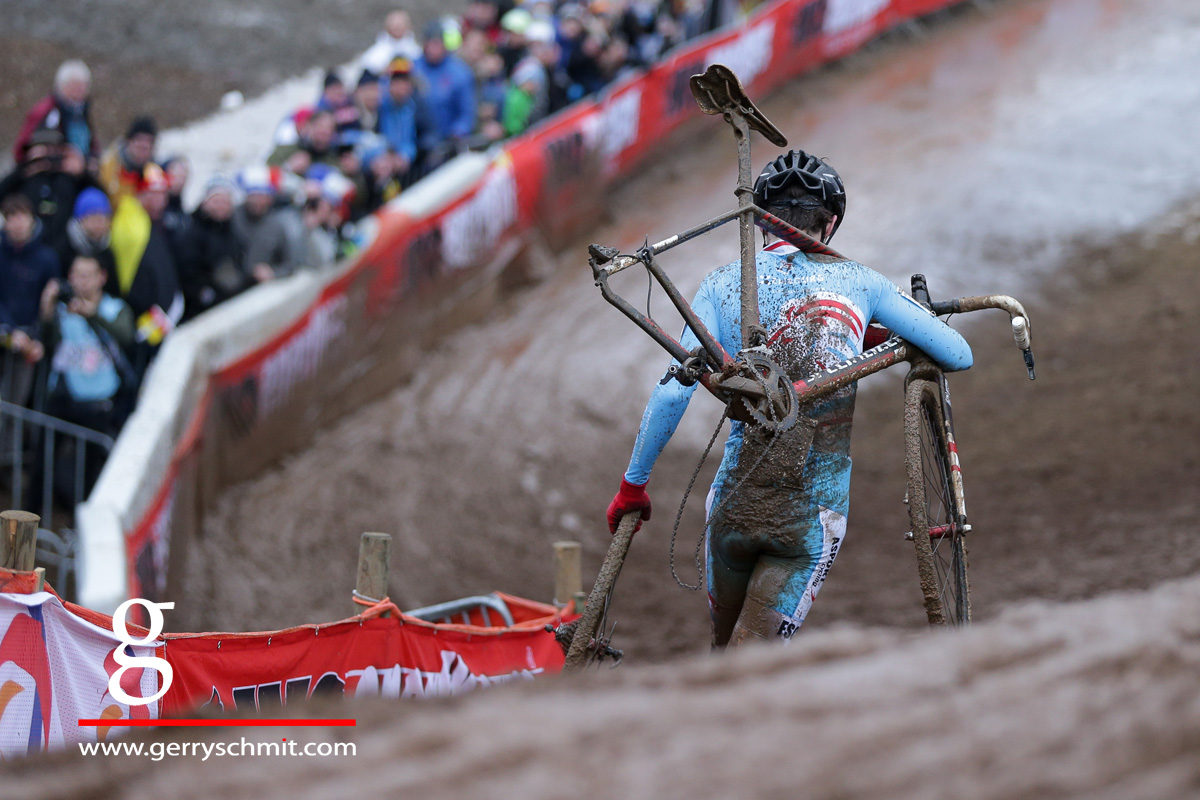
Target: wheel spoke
(941, 517)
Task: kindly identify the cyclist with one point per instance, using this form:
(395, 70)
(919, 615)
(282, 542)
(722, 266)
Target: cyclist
(776, 521)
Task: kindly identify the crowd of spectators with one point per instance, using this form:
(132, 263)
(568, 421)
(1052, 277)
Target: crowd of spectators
(100, 260)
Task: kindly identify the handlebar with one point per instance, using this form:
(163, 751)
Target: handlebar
(961, 305)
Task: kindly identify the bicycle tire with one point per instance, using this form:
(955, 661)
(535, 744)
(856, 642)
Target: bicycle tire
(934, 507)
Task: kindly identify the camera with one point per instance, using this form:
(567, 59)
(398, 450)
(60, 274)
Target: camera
(66, 293)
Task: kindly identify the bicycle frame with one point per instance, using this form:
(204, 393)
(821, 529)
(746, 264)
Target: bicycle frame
(606, 262)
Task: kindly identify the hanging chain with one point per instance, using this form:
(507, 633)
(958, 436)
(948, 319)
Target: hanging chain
(679, 515)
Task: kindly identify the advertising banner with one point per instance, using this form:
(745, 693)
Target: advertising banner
(54, 670)
(58, 662)
(393, 657)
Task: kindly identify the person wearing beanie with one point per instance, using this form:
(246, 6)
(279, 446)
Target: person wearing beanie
(213, 268)
(89, 232)
(405, 120)
(122, 164)
(366, 96)
(262, 228)
(337, 101)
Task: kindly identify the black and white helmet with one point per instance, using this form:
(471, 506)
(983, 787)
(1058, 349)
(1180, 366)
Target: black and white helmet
(819, 180)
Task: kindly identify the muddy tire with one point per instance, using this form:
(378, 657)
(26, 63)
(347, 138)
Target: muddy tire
(935, 510)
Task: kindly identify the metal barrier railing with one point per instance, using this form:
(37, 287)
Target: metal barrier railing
(445, 612)
(55, 455)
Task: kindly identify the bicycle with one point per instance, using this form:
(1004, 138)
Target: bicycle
(757, 391)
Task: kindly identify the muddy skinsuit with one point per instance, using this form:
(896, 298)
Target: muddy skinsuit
(775, 528)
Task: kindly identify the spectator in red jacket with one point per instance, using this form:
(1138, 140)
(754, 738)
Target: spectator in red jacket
(67, 110)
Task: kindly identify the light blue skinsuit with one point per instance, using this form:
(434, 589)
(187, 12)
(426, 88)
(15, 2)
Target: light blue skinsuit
(770, 545)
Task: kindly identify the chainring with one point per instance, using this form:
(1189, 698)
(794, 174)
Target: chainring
(777, 411)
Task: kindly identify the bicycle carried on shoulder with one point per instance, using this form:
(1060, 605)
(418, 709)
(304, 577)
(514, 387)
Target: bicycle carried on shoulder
(757, 391)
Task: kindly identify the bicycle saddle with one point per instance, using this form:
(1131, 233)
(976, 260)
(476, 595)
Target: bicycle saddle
(718, 91)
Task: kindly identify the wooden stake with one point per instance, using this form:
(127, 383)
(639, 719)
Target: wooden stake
(568, 572)
(18, 540)
(374, 554)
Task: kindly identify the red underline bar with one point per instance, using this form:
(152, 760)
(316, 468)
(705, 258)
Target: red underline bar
(215, 723)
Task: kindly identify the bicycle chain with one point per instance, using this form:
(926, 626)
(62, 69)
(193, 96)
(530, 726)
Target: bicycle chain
(775, 434)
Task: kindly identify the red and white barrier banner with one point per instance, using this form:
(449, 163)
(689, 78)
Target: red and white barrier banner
(54, 670)
(371, 656)
(56, 663)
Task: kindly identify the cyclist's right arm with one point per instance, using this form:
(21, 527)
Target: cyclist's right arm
(669, 399)
(915, 324)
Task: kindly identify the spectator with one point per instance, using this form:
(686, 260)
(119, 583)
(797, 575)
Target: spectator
(146, 275)
(386, 173)
(541, 10)
(614, 60)
(350, 165)
(482, 16)
(67, 110)
(396, 40)
(336, 100)
(571, 28)
(262, 228)
(449, 88)
(490, 87)
(89, 231)
(538, 87)
(26, 266)
(176, 221)
(512, 45)
(321, 238)
(404, 119)
(91, 382)
(214, 267)
(584, 68)
(44, 178)
(367, 94)
(317, 145)
(122, 166)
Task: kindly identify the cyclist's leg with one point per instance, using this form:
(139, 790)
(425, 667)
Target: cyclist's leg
(796, 559)
(782, 589)
(727, 572)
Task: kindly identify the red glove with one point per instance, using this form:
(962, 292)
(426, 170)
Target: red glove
(875, 335)
(630, 498)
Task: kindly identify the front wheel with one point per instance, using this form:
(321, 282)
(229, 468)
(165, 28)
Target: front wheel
(935, 508)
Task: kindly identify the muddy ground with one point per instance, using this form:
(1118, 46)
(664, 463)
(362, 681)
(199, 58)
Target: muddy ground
(174, 59)
(1095, 700)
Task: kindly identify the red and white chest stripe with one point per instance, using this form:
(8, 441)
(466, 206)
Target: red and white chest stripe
(829, 309)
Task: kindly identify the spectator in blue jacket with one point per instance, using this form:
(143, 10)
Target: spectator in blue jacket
(26, 266)
(404, 118)
(449, 87)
